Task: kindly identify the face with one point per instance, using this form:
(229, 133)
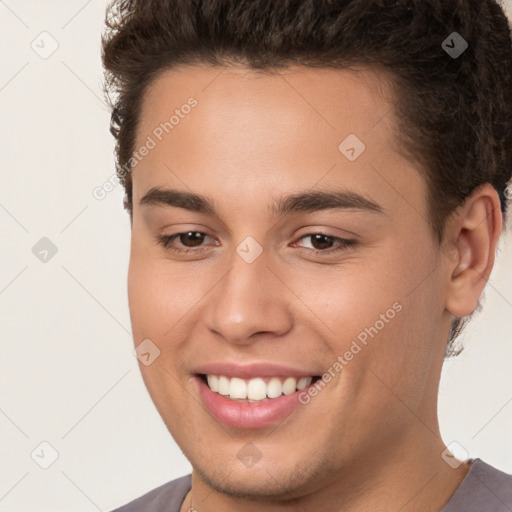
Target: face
(261, 288)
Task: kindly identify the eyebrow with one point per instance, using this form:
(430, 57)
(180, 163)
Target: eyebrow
(308, 201)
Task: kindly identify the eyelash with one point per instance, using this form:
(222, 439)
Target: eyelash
(345, 243)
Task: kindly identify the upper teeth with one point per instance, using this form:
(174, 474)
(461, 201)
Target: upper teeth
(255, 389)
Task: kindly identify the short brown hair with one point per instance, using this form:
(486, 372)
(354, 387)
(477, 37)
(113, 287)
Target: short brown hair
(454, 113)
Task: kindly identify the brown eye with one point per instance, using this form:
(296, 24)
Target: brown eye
(323, 243)
(188, 239)
(196, 237)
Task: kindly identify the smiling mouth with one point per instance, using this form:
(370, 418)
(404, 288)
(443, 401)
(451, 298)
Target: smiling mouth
(257, 389)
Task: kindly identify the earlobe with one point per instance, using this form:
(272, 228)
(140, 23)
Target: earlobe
(475, 234)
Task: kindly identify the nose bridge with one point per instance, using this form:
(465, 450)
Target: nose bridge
(249, 298)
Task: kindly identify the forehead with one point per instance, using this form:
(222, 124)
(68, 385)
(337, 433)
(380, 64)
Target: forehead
(252, 131)
(235, 97)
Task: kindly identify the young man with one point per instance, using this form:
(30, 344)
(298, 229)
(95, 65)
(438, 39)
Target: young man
(316, 191)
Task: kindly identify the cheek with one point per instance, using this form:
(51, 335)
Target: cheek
(155, 309)
(386, 304)
(149, 296)
(401, 317)
(141, 300)
(348, 298)
(161, 294)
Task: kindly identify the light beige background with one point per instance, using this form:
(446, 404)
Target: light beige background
(67, 372)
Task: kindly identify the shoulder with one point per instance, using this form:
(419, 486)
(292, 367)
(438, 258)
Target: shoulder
(166, 498)
(484, 489)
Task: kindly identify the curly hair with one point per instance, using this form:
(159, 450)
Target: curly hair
(454, 114)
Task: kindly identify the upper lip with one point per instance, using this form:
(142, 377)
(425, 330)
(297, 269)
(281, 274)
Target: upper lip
(252, 370)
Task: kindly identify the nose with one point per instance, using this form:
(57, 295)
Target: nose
(250, 301)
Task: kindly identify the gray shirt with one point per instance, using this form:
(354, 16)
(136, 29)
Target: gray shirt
(484, 489)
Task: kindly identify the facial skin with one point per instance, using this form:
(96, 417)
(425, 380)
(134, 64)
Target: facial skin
(370, 439)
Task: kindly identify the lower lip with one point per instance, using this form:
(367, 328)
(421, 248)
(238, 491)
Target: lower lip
(247, 415)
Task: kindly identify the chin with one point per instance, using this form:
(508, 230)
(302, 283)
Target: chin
(267, 480)
(253, 484)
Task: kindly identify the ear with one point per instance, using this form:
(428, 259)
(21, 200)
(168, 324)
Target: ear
(471, 238)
